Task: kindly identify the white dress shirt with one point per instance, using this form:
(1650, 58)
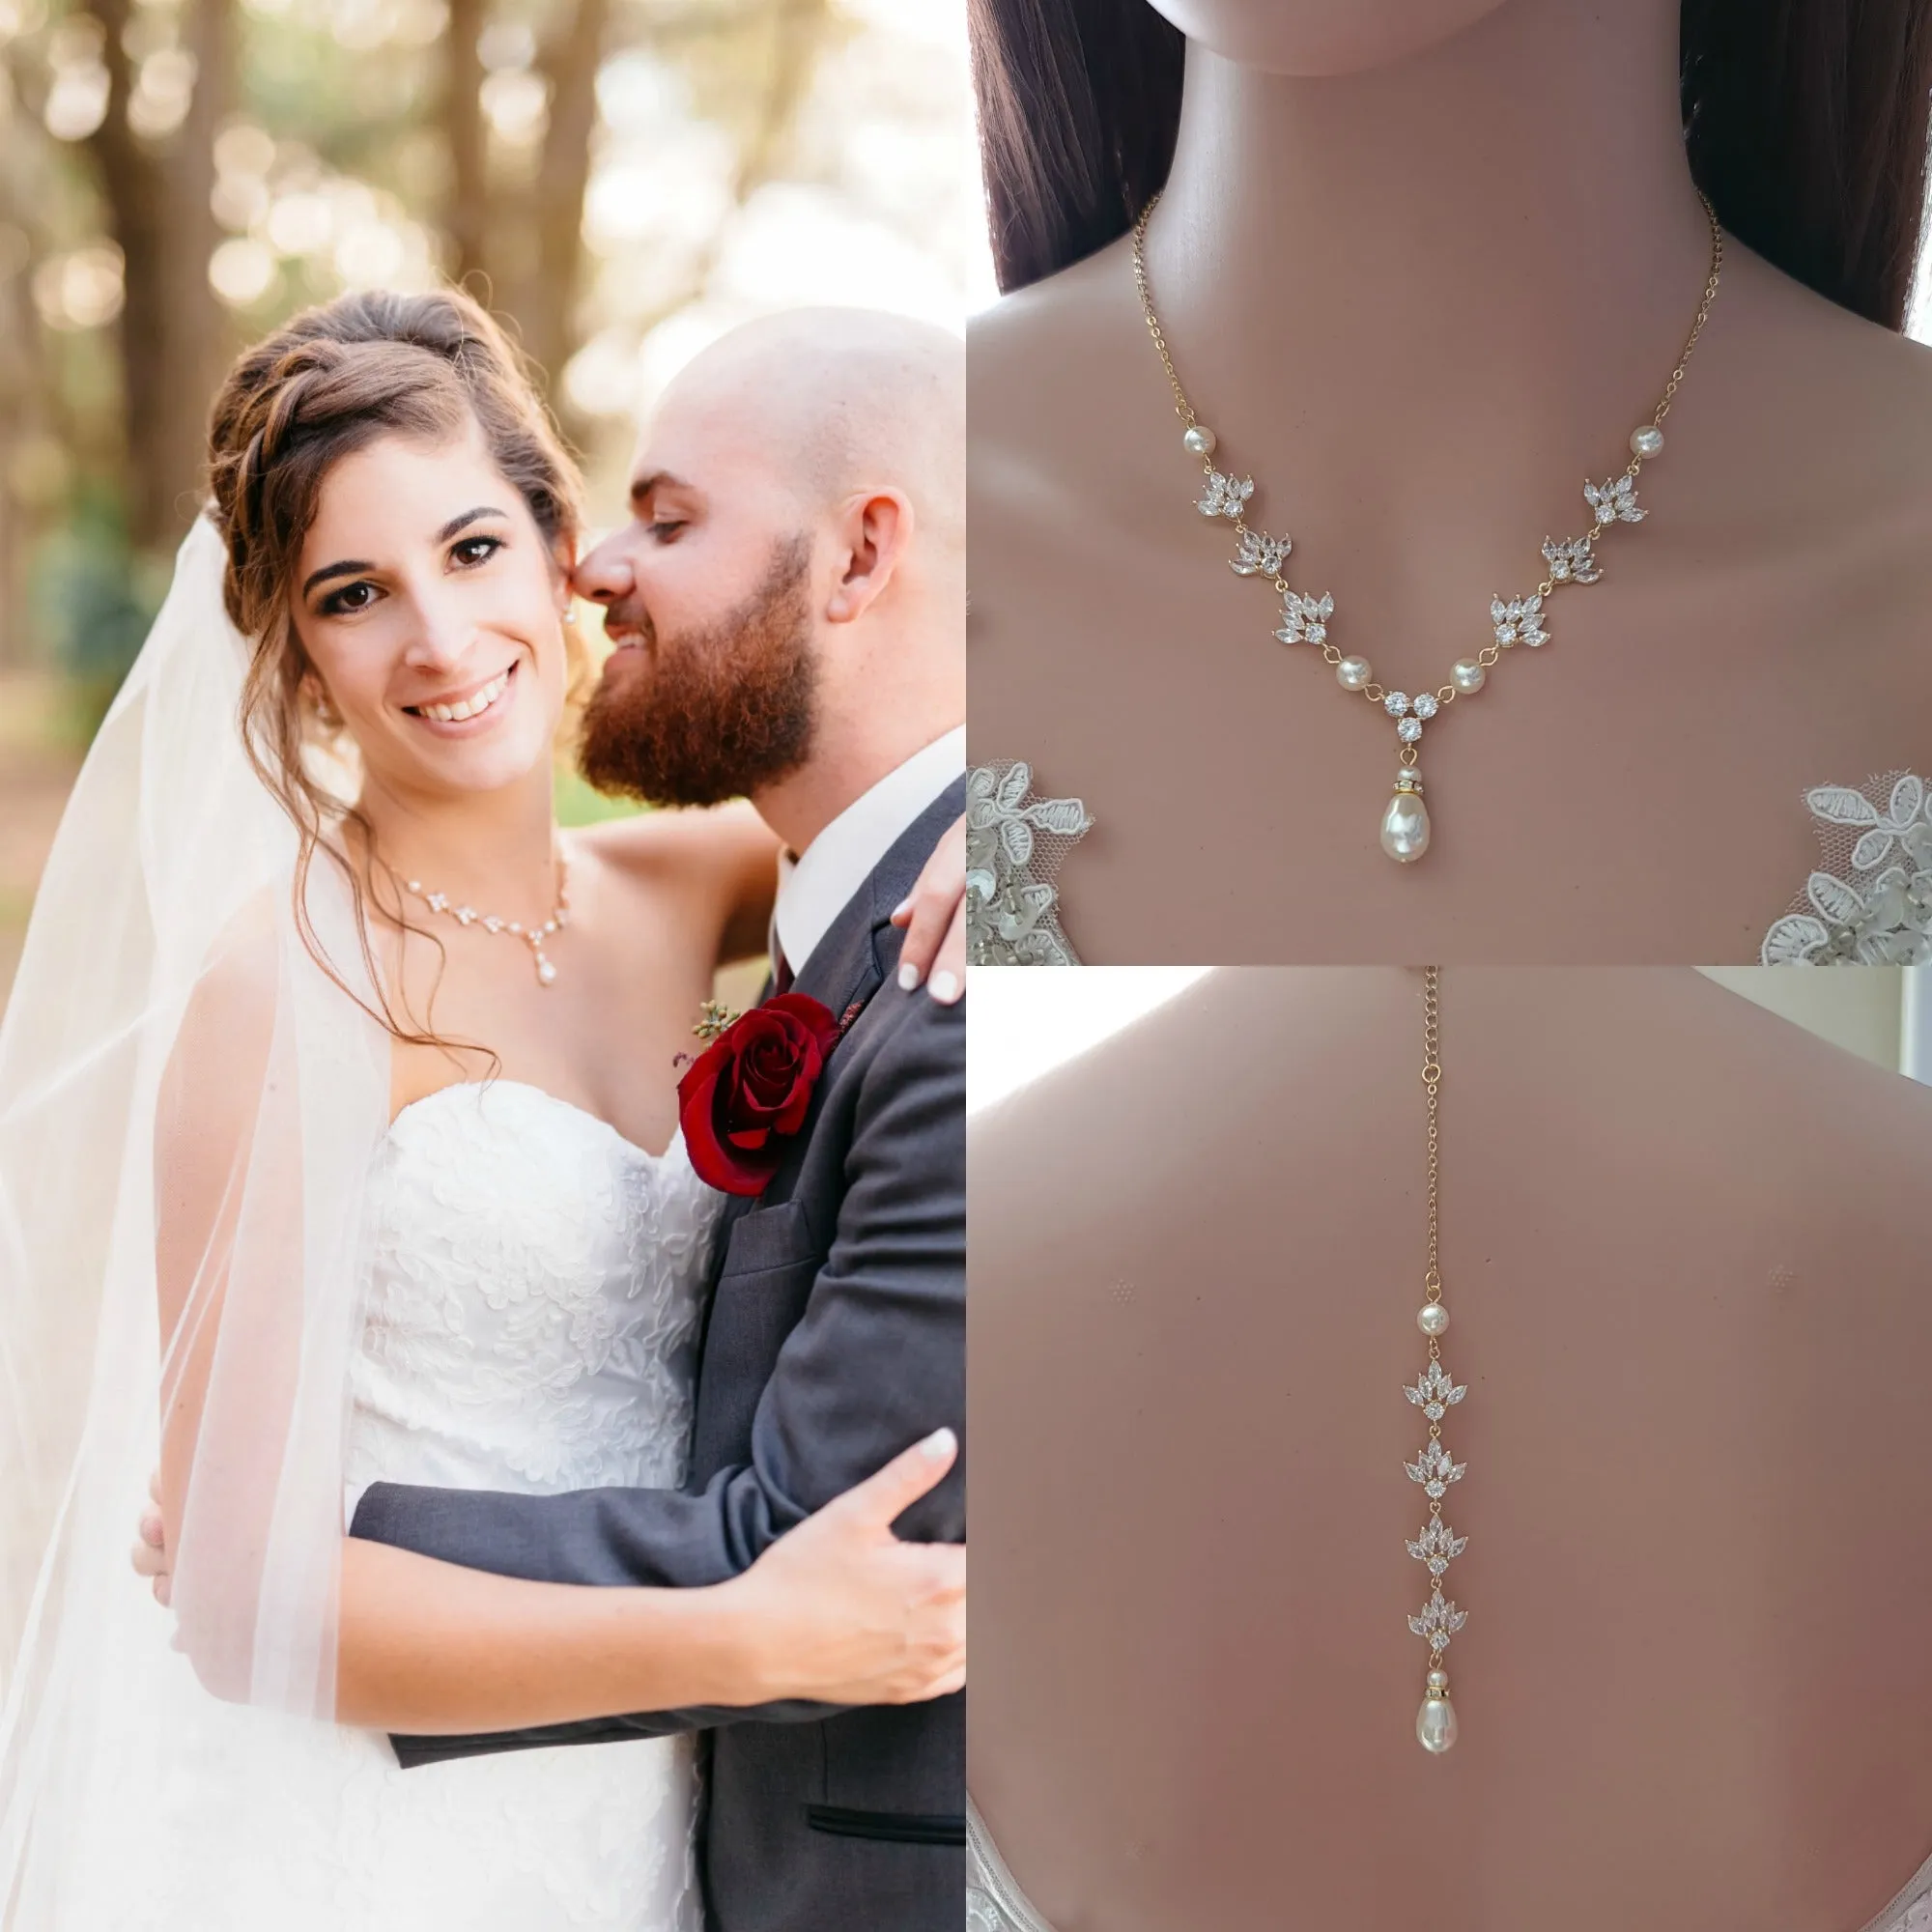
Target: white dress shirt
(814, 888)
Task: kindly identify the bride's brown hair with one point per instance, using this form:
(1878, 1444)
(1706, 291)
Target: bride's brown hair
(1805, 120)
(430, 367)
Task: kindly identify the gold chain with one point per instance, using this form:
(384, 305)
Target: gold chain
(1432, 1085)
(1491, 653)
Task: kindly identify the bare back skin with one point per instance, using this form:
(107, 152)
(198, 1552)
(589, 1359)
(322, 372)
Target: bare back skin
(1686, 1284)
(1420, 304)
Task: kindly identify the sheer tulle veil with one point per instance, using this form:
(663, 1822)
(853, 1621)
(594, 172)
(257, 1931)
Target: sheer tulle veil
(188, 1108)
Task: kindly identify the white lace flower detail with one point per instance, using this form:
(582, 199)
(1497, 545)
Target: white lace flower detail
(1518, 621)
(1304, 620)
(1614, 502)
(1259, 555)
(1571, 562)
(1014, 845)
(1226, 496)
(1870, 902)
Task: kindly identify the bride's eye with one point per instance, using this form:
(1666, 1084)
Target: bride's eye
(665, 528)
(470, 551)
(351, 598)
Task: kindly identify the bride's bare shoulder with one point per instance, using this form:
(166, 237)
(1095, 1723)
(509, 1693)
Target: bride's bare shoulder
(1064, 385)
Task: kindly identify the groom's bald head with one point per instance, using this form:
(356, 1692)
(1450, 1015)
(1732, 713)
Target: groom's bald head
(801, 486)
(839, 402)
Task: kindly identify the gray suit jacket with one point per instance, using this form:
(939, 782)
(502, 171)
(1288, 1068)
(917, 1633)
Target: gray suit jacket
(836, 1337)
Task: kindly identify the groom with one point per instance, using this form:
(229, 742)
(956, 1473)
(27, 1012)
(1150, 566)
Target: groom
(788, 606)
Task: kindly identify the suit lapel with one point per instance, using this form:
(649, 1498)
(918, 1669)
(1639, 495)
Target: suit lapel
(848, 965)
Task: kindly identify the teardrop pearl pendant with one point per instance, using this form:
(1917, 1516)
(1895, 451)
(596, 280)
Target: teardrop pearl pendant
(1436, 1728)
(1404, 830)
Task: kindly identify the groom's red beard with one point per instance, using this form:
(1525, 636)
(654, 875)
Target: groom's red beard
(713, 713)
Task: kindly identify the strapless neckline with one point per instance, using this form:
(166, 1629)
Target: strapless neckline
(550, 1099)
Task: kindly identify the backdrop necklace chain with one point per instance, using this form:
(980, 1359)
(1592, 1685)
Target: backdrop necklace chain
(1513, 620)
(533, 936)
(1434, 1392)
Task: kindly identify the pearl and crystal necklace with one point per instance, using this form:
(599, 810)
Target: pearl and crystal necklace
(1515, 620)
(533, 936)
(1434, 1392)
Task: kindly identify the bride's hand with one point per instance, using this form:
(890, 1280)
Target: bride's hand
(841, 1611)
(934, 917)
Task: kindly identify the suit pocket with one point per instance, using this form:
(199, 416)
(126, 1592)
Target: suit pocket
(768, 1238)
(893, 1827)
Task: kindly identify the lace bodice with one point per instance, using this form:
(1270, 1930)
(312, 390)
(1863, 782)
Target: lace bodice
(995, 1903)
(534, 1299)
(534, 1290)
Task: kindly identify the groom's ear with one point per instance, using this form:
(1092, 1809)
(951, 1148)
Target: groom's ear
(875, 532)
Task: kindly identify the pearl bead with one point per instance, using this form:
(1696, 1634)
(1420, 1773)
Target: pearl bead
(1436, 1726)
(1432, 1317)
(1199, 441)
(1404, 832)
(1439, 1681)
(1352, 674)
(1467, 675)
(1647, 441)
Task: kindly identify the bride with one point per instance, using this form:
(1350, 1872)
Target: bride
(332, 1048)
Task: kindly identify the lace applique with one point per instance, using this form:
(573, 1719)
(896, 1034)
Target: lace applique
(1870, 902)
(1015, 845)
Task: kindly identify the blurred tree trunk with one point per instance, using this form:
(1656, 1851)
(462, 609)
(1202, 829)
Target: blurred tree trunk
(467, 219)
(568, 62)
(172, 338)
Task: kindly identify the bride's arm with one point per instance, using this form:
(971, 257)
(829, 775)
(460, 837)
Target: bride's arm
(722, 859)
(838, 1612)
(845, 1615)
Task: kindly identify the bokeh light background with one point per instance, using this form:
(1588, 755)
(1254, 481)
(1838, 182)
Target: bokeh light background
(623, 179)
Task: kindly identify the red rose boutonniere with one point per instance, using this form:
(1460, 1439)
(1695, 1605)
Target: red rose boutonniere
(749, 1091)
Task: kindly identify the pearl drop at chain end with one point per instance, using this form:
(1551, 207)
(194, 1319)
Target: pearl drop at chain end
(1404, 829)
(1436, 1726)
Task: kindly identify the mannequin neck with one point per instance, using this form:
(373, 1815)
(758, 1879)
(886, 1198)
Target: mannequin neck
(1486, 240)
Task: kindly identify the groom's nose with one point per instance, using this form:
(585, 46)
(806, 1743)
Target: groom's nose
(605, 575)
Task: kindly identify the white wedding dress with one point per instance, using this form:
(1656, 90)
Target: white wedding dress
(534, 1295)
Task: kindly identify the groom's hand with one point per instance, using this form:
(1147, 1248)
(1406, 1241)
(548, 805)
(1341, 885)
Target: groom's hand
(840, 1611)
(151, 1546)
(934, 917)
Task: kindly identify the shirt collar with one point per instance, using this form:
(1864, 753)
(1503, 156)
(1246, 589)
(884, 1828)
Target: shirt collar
(815, 886)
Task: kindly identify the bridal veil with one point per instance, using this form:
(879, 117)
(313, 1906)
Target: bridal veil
(188, 1106)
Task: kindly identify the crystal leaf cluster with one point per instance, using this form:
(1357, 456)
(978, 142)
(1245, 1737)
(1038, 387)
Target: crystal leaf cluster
(1438, 1622)
(1256, 553)
(1304, 620)
(1518, 621)
(1614, 502)
(1571, 562)
(1226, 496)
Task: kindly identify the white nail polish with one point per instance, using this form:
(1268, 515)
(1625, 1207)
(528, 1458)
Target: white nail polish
(939, 1443)
(908, 977)
(943, 987)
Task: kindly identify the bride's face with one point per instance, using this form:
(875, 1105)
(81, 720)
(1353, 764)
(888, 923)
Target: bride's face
(432, 610)
(1310, 38)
